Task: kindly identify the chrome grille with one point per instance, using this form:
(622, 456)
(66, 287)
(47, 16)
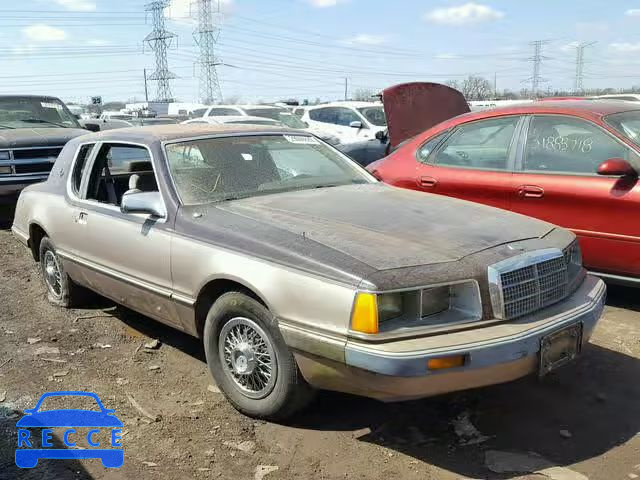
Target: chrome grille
(527, 283)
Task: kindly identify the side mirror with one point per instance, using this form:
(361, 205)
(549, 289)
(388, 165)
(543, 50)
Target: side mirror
(356, 124)
(135, 201)
(92, 127)
(381, 135)
(617, 167)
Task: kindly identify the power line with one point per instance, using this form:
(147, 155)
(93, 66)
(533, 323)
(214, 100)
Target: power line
(537, 59)
(159, 40)
(578, 83)
(206, 36)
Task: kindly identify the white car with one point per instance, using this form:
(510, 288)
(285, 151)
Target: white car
(235, 119)
(349, 121)
(282, 115)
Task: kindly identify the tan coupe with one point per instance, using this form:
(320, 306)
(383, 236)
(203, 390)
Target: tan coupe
(300, 271)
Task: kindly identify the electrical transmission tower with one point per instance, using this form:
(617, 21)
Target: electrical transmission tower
(206, 37)
(578, 87)
(536, 79)
(159, 40)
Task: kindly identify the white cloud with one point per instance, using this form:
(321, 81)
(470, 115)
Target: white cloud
(569, 47)
(367, 39)
(44, 33)
(633, 12)
(625, 47)
(464, 14)
(184, 11)
(23, 49)
(77, 5)
(325, 3)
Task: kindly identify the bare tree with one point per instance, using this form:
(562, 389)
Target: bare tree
(364, 94)
(232, 100)
(476, 88)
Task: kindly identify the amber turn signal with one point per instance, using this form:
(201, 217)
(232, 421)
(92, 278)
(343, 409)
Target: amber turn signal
(364, 318)
(445, 362)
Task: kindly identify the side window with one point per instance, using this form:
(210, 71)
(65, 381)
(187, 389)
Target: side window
(427, 148)
(325, 115)
(118, 168)
(223, 112)
(570, 145)
(344, 116)
(484, 144)
(79, 167)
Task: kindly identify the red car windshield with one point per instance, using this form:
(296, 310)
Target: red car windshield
(627, 123)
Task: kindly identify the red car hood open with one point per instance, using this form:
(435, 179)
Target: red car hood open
(412, 108)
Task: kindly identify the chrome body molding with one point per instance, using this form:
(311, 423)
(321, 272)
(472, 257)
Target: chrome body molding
(23, 237)
(618, 279)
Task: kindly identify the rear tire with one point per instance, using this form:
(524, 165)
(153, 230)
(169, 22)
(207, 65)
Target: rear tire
(61, 290)
(250, 360)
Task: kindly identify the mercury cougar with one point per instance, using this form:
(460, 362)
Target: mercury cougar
(300, 271)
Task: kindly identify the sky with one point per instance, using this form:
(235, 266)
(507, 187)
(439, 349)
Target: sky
(276, 49)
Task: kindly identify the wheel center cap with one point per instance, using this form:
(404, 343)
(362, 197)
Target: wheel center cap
(244, 361)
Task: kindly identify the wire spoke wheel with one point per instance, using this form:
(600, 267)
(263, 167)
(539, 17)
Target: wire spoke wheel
(52, 274)
(247, 357)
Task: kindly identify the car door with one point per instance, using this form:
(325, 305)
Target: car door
(473, 161)
(556, 180)
(127, 255)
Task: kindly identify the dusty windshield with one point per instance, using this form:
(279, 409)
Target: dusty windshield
(627, 123)
(218, 169)
(292, 121)
(35, 112)
(375, 115)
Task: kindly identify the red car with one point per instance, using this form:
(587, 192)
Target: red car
(572, 163)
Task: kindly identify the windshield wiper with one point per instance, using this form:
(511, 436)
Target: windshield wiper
(39, 120)
(8, 127)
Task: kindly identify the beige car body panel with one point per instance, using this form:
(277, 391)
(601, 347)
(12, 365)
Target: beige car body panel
(149, 266)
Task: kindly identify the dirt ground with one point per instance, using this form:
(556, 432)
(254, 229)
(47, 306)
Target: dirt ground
(585, 418)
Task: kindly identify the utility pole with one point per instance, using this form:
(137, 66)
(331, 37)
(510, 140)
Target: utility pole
(159, 40)
(206, 36)
(146, 90)
(346, 88)
(537, 58)
(578, 84)
(495, 85)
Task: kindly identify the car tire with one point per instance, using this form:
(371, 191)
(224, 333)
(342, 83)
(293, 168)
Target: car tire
(285, 392)
(61, 290)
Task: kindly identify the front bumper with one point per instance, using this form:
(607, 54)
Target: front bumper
(494, 354)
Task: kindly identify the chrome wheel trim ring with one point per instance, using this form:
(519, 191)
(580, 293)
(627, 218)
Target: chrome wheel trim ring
(52, 274)
(247, 357)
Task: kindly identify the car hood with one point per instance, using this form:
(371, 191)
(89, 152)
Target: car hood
(412, 108)
(386, 227)
(36, 137)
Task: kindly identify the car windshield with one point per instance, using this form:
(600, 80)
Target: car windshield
(291, 120)
(627, 123)
(219, 169)
(375, 115)
(35, 112)
(272, 113)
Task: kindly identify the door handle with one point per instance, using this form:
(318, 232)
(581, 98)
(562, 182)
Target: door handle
(429, 182)
(530, 191)
(81, 218)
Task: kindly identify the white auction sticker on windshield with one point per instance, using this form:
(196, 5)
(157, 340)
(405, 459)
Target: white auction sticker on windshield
(51, 105)
(302, 139)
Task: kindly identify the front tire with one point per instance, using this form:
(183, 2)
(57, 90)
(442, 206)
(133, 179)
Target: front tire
(61, 290)
(250, 360)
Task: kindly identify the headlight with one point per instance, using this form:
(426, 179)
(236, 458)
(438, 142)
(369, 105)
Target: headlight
(427, 307)
(573, 257)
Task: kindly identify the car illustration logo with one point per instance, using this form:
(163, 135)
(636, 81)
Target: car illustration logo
(74, 421)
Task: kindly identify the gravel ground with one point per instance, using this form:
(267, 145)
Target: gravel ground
(581, 422)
